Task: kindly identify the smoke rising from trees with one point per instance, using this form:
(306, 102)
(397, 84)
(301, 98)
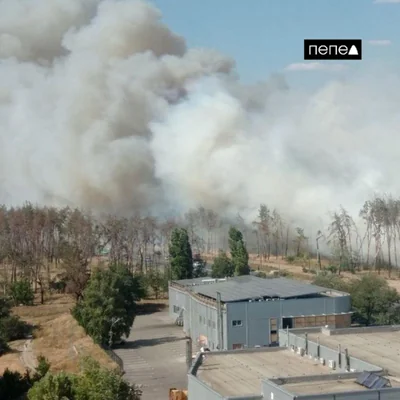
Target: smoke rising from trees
(103, 107)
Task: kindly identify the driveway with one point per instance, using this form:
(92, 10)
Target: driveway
(154, 355)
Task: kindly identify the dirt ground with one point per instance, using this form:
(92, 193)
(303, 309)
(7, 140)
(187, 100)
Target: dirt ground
(296, 270)
(58, 337)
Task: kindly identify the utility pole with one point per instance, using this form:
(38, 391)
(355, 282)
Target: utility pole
(220, 324)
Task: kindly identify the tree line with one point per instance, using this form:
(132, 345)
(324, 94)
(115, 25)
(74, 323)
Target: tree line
(372, 245)
(36, 241)
(373, 301)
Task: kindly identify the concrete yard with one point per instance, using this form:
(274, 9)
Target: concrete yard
(240, 373)
(378, 348)
(327, 386)
(154, 355)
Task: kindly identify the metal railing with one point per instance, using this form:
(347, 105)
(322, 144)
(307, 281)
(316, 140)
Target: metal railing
(116, 358)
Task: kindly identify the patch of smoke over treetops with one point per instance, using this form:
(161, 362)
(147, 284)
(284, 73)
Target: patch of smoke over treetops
(105, 108)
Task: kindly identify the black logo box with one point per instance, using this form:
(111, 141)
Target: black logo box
(332, 49)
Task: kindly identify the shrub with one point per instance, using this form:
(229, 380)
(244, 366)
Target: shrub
(332, 268)
(284, 274)
(12, 328)
(313, 271)
(21, 292)
(42, 368)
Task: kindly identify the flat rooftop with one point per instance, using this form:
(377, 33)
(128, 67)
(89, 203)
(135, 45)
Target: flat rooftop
(381, 348)
(328, 386)
(240, 373)
(248, 287)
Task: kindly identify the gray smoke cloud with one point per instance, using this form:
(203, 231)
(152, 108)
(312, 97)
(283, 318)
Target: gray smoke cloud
(102, 106)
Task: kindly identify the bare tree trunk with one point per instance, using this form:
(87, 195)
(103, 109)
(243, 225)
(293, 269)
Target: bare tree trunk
(389, 256)
(287, 242)
(395, 248)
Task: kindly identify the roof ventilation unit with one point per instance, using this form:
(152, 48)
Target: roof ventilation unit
(322, 361)
(332, 364)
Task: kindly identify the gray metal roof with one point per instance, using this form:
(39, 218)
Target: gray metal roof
(250, 287)
(193, 281)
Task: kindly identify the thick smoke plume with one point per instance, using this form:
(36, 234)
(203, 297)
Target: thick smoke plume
(102, 106)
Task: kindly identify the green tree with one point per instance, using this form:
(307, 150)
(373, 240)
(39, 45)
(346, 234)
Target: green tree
(96, 383)
(331, 281)
(21, 292)
(53, 387)
(5, 307)
(199, 269)
(42, 368)
(222, 266)
(93, 383)
(180, 253)
(13, 385)
(108, 307)
(374, 301)
(13, 328)
(157, 282)
(239, 254)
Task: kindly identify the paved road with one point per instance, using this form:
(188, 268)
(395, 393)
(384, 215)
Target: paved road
(154, 355)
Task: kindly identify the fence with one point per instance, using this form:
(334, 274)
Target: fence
(117, 359)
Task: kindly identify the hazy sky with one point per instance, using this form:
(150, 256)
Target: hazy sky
(265, 36)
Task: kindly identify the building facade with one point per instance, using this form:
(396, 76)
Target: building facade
(247, 311)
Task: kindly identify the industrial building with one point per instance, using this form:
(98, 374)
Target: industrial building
(310, 364)
(247, 311)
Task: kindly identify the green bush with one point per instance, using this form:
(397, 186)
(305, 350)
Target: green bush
(290, 259)
(21, 292)
(12, 328)
(13, 385)
(3, 346)
(94, 382)
(313, 271)
(53, 387)
(222, 266)
(284, 274)
(332, 268)
(42, 368)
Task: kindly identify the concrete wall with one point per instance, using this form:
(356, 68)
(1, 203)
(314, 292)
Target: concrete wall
(255, 316)
(272, 391)
(273, 384)
(198, 390)
(362, 329)
(382, 394)
(325, 352)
